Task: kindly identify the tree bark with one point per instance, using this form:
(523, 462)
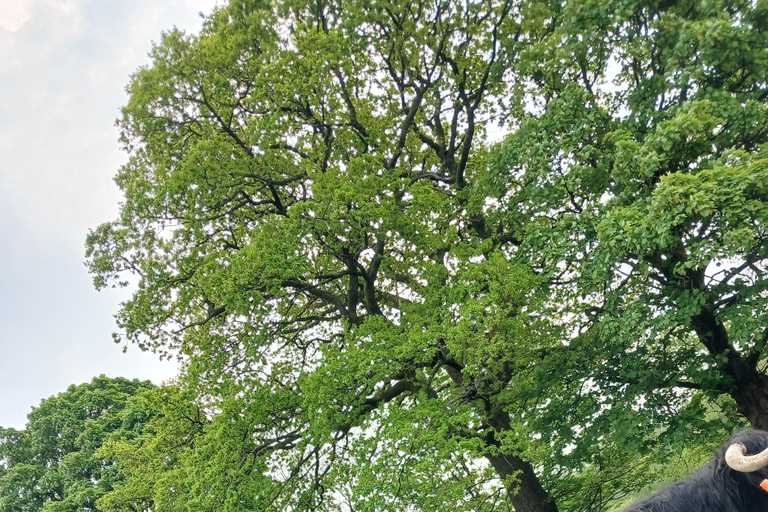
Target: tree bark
(750, 389)
(752, 400)
(523, 488)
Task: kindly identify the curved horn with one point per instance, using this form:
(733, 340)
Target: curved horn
(737, 459)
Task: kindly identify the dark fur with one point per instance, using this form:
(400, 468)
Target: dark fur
(715, 487)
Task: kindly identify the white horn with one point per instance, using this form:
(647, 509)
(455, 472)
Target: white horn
(737, 459)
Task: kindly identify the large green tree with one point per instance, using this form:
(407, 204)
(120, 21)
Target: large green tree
(376, 313)
(303, 212)
(52, 465)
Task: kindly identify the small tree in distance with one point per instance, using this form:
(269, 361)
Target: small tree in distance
(52, 465)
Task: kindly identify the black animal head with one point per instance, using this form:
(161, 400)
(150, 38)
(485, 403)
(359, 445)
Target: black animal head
(718, 487)
(753, 469)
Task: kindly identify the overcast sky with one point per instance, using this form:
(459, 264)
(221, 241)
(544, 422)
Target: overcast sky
(63, 68)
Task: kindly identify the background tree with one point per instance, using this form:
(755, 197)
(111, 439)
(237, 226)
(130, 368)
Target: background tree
(158, 461)
(52, 464)
(638, 170)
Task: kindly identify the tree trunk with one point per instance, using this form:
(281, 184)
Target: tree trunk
(752, 400)
(750, 390)
(523, 488)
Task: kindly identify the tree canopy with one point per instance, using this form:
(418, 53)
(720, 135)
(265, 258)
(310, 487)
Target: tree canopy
(639, 170)
(377, 310)
(53, 465)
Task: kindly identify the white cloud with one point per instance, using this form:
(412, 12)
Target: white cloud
(15, 13)
(62, 76)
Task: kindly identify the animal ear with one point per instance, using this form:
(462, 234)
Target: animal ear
(764, 485)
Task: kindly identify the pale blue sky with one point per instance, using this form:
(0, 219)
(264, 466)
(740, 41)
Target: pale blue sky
(63, 68)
